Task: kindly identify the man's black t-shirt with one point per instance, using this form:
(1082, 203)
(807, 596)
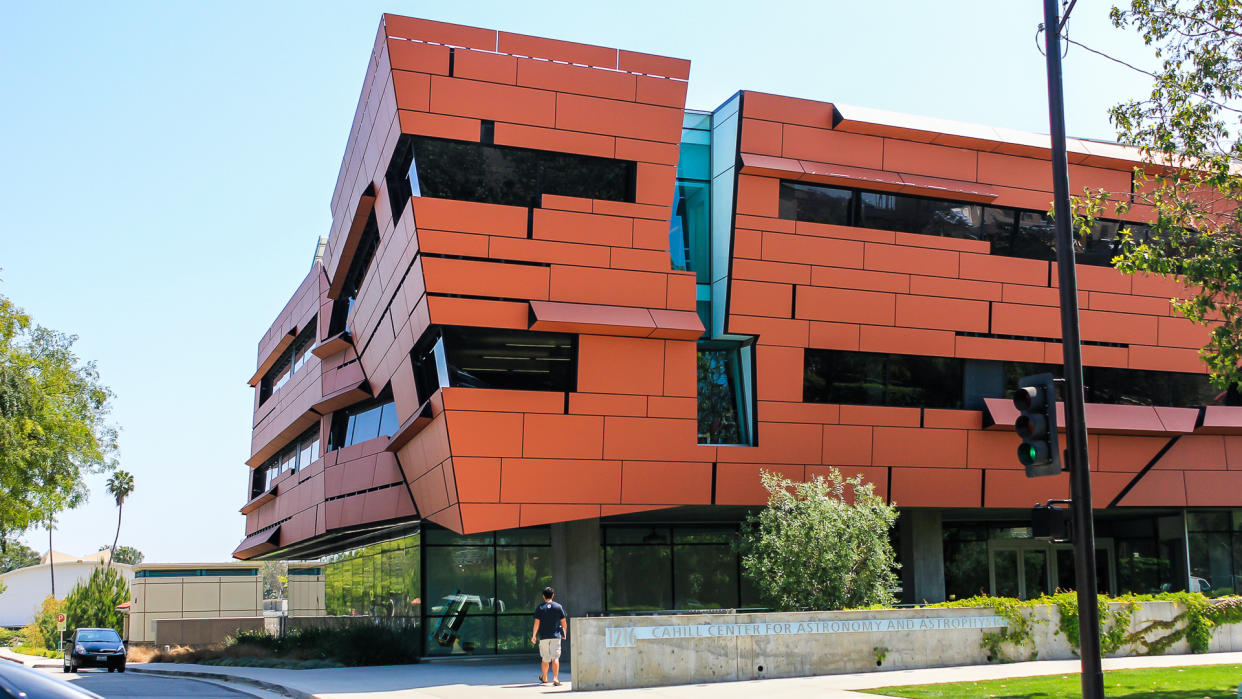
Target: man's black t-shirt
(549, 615)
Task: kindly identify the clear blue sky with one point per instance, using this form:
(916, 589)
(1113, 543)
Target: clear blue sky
(166, 168)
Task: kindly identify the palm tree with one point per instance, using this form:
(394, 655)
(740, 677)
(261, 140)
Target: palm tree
(120, 485)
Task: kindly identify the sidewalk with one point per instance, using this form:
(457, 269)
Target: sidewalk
(494, 677)
(29, 660)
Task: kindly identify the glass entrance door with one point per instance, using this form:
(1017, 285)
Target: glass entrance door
(1027, 568)
(1018, 568)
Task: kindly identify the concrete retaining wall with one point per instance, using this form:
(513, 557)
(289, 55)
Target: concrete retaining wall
(653, 651)
(202, 632)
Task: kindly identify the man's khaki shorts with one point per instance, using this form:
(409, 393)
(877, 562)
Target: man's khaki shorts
(549, 649)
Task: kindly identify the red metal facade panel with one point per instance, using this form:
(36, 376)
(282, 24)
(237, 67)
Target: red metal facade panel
(626, 439)
(902, 293)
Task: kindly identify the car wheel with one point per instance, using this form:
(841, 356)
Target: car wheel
(111, 669)
(65, 668)
(121, 669)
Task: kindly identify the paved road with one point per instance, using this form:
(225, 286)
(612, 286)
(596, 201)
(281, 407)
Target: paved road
(132, 684)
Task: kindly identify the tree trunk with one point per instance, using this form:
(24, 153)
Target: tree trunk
(51, 560)
(116, 538)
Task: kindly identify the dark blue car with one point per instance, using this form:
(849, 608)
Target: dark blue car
(95, 648)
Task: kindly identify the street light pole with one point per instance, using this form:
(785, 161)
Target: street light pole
(1077, 457)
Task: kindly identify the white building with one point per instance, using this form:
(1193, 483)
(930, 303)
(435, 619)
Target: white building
(26, 588)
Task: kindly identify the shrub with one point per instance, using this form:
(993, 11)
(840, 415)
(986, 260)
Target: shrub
(9, 636)
(352, 645)
(41, 652)
(361, 643)
(93, 604)
(43, 633)
(822, 544)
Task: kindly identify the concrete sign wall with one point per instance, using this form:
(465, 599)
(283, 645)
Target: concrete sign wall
(653, 651)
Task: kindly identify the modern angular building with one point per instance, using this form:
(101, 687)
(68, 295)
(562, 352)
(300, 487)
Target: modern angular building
(561, 324)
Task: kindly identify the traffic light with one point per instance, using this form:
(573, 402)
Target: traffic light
(1036, 401)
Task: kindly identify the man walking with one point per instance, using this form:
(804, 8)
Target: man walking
(549, 629)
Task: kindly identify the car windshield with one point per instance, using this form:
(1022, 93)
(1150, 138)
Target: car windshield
(93, 635)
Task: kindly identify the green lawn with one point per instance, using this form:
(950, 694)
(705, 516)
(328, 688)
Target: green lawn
(1195, 682)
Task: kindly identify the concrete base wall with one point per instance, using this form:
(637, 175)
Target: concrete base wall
(202, 632)
(788, 645)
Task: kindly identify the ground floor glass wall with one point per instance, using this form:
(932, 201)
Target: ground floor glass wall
(1134, 553)
(381, 580)
(1214, 539)
(648, 568)
(481, 589)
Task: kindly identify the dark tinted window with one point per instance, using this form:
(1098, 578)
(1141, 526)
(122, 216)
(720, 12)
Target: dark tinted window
(94, 635)
(515, 176)
(1011, 232)
(511, 359)
(816, 203)
(1101, 244)
(395, 177)
(427, 369)
(354, 277)
(720, 393)
(865, 378)
(1036, 237)
(998, 228)
(1127, 386)
(899, 212)
(291, 360)
(295, 456)
(367, 420)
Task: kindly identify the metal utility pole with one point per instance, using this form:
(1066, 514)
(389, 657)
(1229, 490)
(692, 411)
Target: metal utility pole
(1075, 424)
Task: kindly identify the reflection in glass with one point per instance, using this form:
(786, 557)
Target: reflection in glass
(865, 378)
(453, 631)
(998, 227)
(1005, 563)
(480, 594)
(1036, 237)
(1211, 564)
(688, 229)
(469, 171)
(638, 578)
(705, 577)
(719, 394)
(510, 359)
(513, 633)
(1139, 569)
(907, 214)
(965, 567)
(521, 574)
(1035, 572)
(816, 203)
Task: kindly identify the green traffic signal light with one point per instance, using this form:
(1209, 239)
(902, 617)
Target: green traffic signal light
(1036, 425)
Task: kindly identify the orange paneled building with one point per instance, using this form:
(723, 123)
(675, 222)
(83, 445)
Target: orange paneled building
(561, 323)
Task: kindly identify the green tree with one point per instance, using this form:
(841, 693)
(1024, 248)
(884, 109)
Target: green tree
(43, 632)
(93, 603)
(53, 422)
(718, 421)
(15, 554)
(125, 554)
(275, 579)
(1188, 131)
(120, 485)
(822, 544)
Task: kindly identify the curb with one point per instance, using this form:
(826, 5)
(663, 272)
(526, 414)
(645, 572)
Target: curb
(222, 677)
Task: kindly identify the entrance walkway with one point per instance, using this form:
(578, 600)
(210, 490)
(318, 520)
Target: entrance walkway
(508, 678)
